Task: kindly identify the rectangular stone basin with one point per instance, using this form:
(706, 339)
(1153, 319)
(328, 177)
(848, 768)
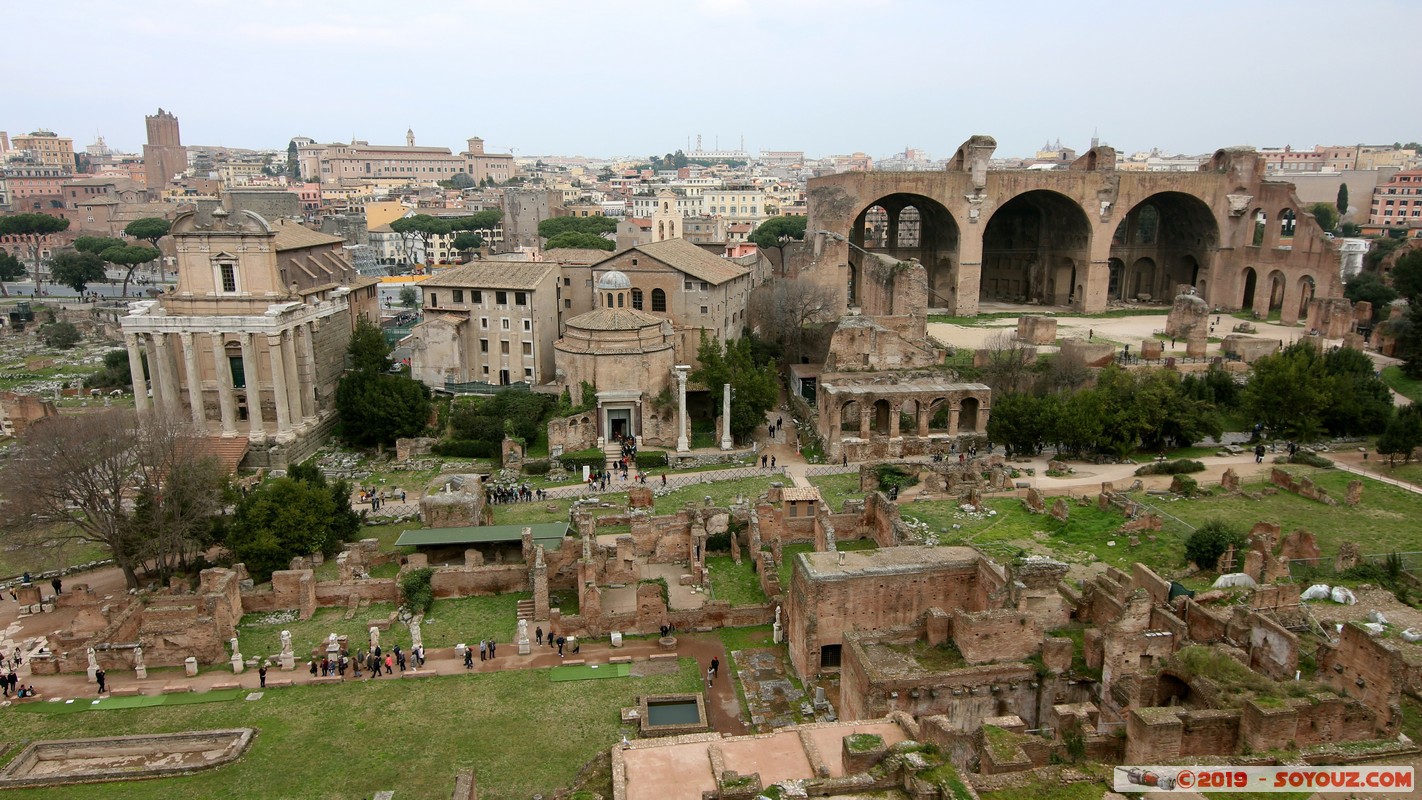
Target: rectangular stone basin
(673, 714)
(122, 758)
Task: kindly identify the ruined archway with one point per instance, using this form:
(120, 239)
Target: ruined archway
(849, 418)
(939, 413)
(1251, 281)
(1178, 233)
(908, 417)
(881, 417)
(968, 415)
(1278, 284)
(1116, 282)
(1142, 279)
(1288, 220)
(1033, 246)
(1307, 287)
(905, 226)
(1261, 227)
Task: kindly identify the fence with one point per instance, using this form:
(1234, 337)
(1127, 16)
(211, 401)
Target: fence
(819, 470)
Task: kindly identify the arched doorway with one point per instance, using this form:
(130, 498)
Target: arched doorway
(1287, 222)
(1032, 246)
(849, 418)
(904, 226)
(908, 418)
(1177, 233)
(1142, 279)
(1307, 287)
(1277, 286)
(938, 415)
(1251, 280)
(881, 417)
(968, 415)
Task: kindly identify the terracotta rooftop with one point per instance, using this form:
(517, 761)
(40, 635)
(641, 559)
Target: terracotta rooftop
(614, 319)
(575, 255)
(686, 257)
(800, 493)
(504, 275)
(292, 235)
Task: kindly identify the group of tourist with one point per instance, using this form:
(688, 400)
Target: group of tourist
(488, 649)
(515, 494)
(374, 662)
(10, 685)
(561, 642)
(376, 499)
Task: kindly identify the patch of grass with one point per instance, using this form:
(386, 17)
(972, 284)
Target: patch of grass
(932, 658)
(1082, 538)
(386, 739)
(787, 555)
(532, 513)
(735, 583)
(722, 493)
(262, 641)
(1403, 385)
(1383, 522)
(835, 489)
(49, 554)
(1037, 790)
(864, 742)
(469, 619)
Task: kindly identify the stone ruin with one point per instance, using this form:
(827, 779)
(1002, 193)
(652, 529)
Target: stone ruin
(1036, 329)
(1189, 318)
(460, 503)
(1304, 487)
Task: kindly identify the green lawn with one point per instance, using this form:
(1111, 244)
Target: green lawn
(722, 493)
(1384, 522)
(1039, 790)
(528, 513)
(262, 640)
(835, 489)
(469, 619)
(735, 583)
(1083, 538)
(48, 555)
(521, 733)
(1403, 385)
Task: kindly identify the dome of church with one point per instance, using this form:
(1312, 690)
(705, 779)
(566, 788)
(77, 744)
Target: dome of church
(612, 279)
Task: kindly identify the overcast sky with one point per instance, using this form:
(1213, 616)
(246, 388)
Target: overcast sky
(641, 76)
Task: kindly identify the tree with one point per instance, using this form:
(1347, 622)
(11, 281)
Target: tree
(282, 519)
(777, 232)
(1020, 421)
(74, 478)
(96, 244)
(1211, 540)
(1325, 215)
(553, 226)
(1402, 436)
(1009, 362)
(409, 298)
(1359, 403)
(468, 240)
(10, 269)
(33, 227)
(59, 335)
(786, 311)
(755, 386)
(460, 180)
(487, 420)
(1371, 288)
(375, 407)
(115, 373)
(293, 162)
(424, 226)
(1342, 202)
(1285, 394)
(573, 239)
(1407, 277)
(130, 256)
(76, 270)
(180, 494)
(148, 229)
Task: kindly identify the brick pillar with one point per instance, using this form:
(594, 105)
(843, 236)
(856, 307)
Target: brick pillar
(540, 584)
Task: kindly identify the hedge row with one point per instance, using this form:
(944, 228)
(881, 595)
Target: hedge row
(1180, 467)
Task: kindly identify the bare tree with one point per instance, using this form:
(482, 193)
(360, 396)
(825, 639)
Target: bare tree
(179, 491)
(80, 478)
(1009, 362)
(781, 310)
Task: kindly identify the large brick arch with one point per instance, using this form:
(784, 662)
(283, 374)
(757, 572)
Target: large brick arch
(1209, 214)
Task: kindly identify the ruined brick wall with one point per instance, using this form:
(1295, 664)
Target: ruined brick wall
(1204, 624)
(1206, 732)
(488, 579)
(1368, 669)
(222, 600)
(343, 593)
(1153, 734)
(1143, 577)
(171, 633)
(1273, 649)
(995, 635)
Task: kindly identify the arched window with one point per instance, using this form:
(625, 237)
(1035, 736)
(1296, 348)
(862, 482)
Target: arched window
(659, 300)
(609, 299)
(637, 299)
(620, 297)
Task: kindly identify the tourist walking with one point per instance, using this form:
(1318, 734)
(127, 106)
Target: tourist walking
(100, 676)
(262, 677)
(469, 658)
(389, 664)
(483, 650)
(492, 645)
(538, 635)
(56, 583)
(715, 666)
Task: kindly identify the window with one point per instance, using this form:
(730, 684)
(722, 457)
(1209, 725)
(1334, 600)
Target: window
(659, 300)
(528, 324)
(567, 281)
(229, 277)
(688, 286)
(705, 286)
(502, 298)
(483, 345)
(637, 299)
(703, 309)
(434, 300)
(528, 348)
(486, 369)
(458, 296)
(504, 323)
(484, 323)
(504, 348)
(478, 296)
(528, 374)
(521, 298)
(609, 299)
(567, 304)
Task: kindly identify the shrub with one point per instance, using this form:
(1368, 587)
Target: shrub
(59, 335)
(1209, 542)
(537, 467)
(1185, 485)
(1310, 460)
(576, 460)
(650, 459)
(1179, 467)
(416, 589)
(891, 477)
(462, 448)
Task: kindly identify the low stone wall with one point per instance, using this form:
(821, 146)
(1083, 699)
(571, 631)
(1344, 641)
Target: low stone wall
(469, 581)
(341, 593)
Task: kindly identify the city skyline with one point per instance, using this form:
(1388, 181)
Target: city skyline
(788, 75)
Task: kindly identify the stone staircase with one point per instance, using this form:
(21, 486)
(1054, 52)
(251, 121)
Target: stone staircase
(525, 610)
(613, 453)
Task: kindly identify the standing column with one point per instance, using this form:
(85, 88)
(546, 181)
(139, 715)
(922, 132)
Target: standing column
(726, 443)
(682, 445)
(279, 396)
(300, 407)
(226, 396)
(135, 369)
(194, 380)
(895, 409)
(257, 430)
(165, 374)
(150, 345)
(308, 352)
(953, 419)
(865, 412)
(924, 416)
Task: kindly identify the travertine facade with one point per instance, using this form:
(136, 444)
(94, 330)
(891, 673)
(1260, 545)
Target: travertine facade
(251, 342)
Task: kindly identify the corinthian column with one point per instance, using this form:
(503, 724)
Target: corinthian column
(682, 445)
